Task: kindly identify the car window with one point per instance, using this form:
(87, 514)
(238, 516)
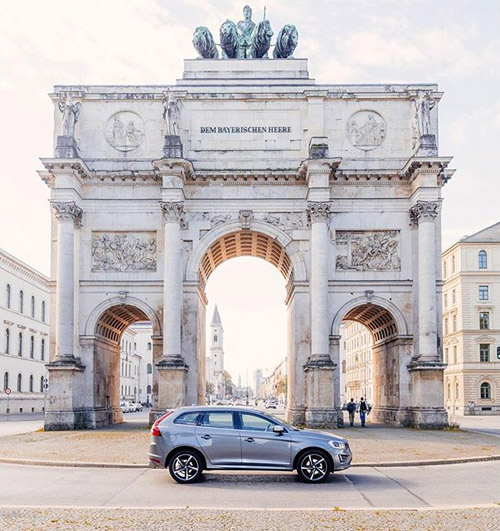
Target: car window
(188, 418)
(256, 423)
(218, 419)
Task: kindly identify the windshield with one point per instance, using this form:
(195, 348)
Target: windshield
(281, 421)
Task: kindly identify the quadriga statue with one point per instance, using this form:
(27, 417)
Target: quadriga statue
(229, 39)
(287, 40)
(204, 43)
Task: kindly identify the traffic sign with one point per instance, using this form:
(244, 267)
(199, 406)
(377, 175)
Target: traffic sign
(8, 391)
(498, 353)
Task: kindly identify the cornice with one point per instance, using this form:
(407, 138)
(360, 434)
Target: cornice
(431, 165)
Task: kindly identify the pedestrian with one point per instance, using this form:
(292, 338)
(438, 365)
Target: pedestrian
(351, 408)
(363, 410)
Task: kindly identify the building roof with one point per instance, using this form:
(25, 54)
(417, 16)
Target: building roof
(490, 234)
(216, 318)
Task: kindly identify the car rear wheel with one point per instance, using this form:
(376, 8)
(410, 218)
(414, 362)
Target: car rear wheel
(186, 466)
(313, 467)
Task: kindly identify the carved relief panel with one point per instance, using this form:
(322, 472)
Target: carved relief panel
(377, 250)
(124, 251)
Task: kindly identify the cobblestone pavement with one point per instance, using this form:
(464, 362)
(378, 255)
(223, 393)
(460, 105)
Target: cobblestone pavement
(129, 444)
(24, 519)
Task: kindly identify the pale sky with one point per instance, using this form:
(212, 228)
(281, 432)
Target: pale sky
(455, 43)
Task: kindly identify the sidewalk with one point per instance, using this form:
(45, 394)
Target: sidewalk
(128, 444)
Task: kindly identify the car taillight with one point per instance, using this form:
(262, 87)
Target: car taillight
(154, 428)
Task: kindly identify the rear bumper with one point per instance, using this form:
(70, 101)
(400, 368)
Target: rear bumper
(156, 459)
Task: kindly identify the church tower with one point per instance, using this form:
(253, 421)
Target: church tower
(217, 353)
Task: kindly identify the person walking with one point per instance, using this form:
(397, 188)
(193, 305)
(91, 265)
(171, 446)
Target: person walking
(351, 408)
(363, 410)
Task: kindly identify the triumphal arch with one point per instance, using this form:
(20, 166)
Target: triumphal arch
(338, 186)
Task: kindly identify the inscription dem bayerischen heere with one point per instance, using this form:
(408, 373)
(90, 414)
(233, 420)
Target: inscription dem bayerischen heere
(245, 129)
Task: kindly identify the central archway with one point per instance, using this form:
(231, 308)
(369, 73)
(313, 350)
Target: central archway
(227, 242)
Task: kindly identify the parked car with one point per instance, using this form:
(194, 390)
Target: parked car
(271, 403)
(192, 439)
(138, 406)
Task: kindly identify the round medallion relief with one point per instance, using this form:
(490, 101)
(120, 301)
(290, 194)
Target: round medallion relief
(125, 130)
(366, 130)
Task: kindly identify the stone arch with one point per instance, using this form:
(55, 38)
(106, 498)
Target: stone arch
(134, 308)
(383, 318)
(271, 237)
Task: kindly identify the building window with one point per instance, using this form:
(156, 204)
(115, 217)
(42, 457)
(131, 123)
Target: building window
(483, 293)
(449, 391)
(445, 272)
(454, 354)
(31, 383)
(149, 368)
(483, 260)
(148, 390)
(484, 320)
(32, 306)
(149, 345)
(20, 349)
(446, 325)
(215, 338)
(41, 384)
(21, 301)
(19, 382)
(453, 264)
(446, 300)
(43, 311)
(457, 390)
(7, 296)
(484, 352)
(32, 347)
(7, 341)
(485, 391)
(446, 355)
(42, 349)
(5, 381)
(454, 297)
(454, 322)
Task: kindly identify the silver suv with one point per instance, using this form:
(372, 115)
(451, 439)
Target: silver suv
(191, 439)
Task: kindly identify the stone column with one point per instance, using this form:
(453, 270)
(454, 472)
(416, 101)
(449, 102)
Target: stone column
(320, 411)
(427, 400)
(171, 385)
(424, 214)
(68, 214)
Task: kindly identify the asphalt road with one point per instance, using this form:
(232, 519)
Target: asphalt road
(399, 487)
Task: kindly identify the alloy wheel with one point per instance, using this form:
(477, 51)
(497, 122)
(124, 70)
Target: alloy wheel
(185, 467)
(314, 467)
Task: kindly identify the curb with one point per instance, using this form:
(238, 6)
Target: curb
(431, 462)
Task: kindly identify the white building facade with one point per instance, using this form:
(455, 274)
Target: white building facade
(338, 186)
(24, 349)
(357, 353)
(471, 317)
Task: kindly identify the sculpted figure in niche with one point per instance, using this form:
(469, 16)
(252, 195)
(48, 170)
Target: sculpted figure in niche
(424, 105)
(171, 114)
(247, 29)
(70, 111)
(204, 43)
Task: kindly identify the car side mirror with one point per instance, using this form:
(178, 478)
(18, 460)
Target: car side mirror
(278, 429)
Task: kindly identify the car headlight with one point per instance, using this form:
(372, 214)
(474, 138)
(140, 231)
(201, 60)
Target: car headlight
(337, 444)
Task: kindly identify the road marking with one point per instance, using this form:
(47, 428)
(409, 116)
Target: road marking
(351, 482)
(405, 488)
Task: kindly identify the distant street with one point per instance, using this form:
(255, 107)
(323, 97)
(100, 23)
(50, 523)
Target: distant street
(364, 487)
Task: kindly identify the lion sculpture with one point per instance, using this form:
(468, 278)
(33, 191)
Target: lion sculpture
(262, 40)
(229, 39)
(287, 40)
(204, 43)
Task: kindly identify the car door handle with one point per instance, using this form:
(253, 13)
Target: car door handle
(206, 437)
(249, 439)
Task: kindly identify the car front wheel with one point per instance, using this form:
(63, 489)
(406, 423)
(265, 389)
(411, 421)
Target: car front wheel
(313, 467)
(186, 466)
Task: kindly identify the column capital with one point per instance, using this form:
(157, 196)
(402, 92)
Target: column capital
(318, 211)
(424, 211)
(173, 211)
(67, 211)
